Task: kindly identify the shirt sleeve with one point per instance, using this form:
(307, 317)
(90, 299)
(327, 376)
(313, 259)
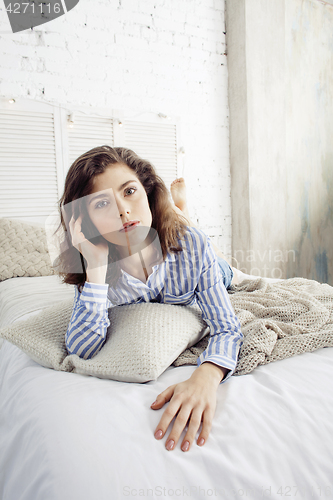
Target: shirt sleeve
(226, 337)
(89, 322)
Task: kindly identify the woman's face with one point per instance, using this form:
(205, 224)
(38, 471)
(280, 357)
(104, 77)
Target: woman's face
(118, 206)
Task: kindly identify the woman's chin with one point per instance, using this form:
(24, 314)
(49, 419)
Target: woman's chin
(133, 239)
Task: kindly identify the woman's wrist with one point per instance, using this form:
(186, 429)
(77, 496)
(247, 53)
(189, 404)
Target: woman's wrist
(218, 373)
(97, 275)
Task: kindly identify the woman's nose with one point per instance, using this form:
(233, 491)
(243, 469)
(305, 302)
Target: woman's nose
(123, 213)
(122, 208)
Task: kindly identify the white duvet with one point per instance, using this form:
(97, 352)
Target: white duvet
(66, 436)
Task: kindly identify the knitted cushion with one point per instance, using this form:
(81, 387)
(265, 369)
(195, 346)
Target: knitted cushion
(23, 250)
(142, 340)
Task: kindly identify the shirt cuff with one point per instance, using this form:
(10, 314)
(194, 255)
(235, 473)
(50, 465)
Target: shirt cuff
(96, 293)
(219, 361)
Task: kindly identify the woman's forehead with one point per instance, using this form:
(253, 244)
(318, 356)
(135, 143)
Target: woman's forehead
(113, 177)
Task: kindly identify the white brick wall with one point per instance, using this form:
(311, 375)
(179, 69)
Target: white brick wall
(146, 56)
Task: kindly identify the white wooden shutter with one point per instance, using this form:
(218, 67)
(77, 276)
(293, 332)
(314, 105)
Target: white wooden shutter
(37, 147)
(89, 132)
(28, 169)
(156, 142)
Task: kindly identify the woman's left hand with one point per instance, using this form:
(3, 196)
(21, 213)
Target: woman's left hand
(193, 401)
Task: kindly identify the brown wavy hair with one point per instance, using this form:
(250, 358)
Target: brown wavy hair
(168, 224)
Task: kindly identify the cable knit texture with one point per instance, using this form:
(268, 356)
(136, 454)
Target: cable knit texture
(278, 321)
(23, 250)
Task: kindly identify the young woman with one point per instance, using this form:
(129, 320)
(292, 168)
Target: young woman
(135, 246)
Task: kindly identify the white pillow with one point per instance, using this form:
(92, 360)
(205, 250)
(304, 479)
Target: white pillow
(142, 341)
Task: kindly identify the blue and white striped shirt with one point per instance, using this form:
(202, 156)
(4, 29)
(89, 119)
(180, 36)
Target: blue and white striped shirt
(189, 276)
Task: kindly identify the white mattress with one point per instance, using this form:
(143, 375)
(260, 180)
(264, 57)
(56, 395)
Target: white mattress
(66, 436)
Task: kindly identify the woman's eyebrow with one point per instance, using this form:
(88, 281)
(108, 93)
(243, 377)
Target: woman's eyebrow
(125, 184)
(102, 195)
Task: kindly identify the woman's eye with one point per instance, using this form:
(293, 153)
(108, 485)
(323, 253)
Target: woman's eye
(101, 204)
(130, 189)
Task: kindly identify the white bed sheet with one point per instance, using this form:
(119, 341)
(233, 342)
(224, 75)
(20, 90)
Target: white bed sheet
(66, 436)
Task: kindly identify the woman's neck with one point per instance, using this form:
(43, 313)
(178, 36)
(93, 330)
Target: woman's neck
(140, 259)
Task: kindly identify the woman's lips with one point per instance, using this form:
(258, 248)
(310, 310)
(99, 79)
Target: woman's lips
(129, 226)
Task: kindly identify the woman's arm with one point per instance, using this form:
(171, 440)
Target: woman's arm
(194, 400)
(87, 328)
(89, 321)
(226, 337)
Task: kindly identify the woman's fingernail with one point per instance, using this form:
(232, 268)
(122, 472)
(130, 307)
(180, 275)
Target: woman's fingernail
(158, 434)
(201, 442)
(170, 444)
(154, 403)
(186, 446)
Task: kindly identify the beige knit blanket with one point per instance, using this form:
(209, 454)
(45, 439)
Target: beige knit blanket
(277, 320)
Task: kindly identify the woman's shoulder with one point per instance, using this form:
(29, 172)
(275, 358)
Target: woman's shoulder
(194, 235)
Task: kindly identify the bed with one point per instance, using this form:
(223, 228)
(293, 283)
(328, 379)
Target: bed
(68, 436)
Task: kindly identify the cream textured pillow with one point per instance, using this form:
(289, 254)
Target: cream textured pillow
(142, 341)
(23, 250)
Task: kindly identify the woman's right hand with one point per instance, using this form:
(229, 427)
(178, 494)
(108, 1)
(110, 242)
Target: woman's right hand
(95, 255)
